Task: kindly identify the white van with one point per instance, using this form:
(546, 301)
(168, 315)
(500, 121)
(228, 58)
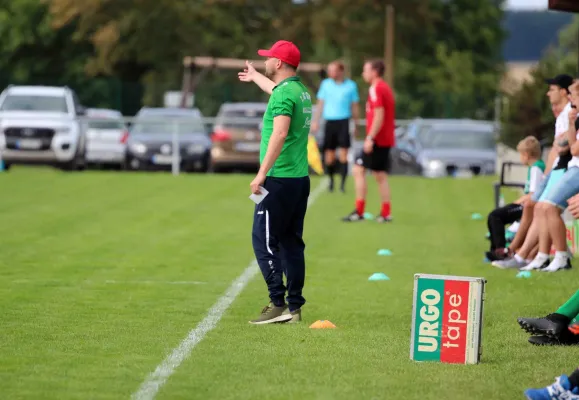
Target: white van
(39, 125)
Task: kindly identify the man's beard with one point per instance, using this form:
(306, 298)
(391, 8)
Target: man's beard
(269, 74)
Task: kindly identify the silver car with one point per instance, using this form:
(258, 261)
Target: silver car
(106, 137)
(446, 147)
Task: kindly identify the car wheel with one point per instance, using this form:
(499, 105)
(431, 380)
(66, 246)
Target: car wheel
(205, 165)
(188, 168)
(132, 164)
(216, 169)
(124, 166)
(76, 164)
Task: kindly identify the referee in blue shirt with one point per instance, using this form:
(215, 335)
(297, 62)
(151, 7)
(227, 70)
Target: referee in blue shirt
(337, 102)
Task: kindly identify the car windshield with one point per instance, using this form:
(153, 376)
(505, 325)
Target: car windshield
(105, 124)
(241, 118)
(168, 124)
(34, 103)
(457, 139)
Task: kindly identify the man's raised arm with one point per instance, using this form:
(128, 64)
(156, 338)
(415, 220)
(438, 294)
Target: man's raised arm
(249, 74)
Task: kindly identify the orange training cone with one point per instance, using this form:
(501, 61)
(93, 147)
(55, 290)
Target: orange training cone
(322, 324)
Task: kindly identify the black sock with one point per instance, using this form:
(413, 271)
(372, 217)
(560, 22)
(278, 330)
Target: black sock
(278, 302)
(574, 378)
(331, 170)
(344, 173)
(559, 318)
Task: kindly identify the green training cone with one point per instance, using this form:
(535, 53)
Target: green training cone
(379, 276)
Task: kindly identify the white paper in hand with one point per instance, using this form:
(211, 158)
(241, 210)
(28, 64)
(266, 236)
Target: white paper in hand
(258, 198)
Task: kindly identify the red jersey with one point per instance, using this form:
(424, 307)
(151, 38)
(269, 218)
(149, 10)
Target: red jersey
(380, 95)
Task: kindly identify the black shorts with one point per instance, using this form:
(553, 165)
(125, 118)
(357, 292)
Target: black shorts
(378, 160)
(337, 134)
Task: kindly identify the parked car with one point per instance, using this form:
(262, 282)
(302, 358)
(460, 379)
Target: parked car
(357, 143)
(106, 137)
(444, 147)
(39, 125)
(236, 136)
(150, 143)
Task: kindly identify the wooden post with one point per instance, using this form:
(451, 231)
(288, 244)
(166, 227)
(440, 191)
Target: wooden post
(186, 84)
(348, 63)
(196, 68)
(389, 30)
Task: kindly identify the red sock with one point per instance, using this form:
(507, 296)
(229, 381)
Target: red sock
(360, 205)
(385, 209)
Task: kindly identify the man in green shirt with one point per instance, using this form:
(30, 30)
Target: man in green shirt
(279, 218)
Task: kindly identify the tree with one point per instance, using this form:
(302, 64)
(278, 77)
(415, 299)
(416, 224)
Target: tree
(458, 40)
(527, 110)
(146, 40)
(32, 52)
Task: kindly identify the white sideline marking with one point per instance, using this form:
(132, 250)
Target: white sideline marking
(157, 378)
(89, 282)
(157, 282)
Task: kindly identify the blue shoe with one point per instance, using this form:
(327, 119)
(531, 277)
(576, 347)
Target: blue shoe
(560, 390)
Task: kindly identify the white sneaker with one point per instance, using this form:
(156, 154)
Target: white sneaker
(558, 264)
(508, 263)
(514, 227)
(535, 264)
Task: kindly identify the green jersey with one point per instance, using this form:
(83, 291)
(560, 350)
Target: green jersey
(534, 176)
(290, 97)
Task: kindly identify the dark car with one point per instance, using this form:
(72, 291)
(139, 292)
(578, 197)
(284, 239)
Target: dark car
(445, 147)
(150, 144)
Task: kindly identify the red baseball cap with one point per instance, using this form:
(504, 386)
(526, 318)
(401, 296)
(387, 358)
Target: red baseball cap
(285, 51)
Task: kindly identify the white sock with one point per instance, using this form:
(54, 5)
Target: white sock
(519, 259)
(541, 257)
(561, 256)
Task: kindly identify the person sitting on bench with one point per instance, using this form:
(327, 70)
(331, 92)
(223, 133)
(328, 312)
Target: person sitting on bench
(530, 152)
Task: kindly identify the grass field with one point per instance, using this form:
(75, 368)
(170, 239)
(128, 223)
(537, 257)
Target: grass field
(102, 275)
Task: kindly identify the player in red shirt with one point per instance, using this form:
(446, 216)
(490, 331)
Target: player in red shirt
(379, 140)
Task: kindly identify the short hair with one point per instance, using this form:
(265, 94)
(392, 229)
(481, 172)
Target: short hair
(531, 146)
(574, 87)
(339, 64)
(286, 65)
(377, 65)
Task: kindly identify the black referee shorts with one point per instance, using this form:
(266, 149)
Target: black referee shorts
(378, 160)
(337, 134)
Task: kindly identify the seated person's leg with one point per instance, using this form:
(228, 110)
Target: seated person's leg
(525, 224)
(571, 307)
(554, 203)
(522, 257)
(541, 260)
(534, 252)
(531, 241)
(497, 220)
(528, 214)
(553, 325)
